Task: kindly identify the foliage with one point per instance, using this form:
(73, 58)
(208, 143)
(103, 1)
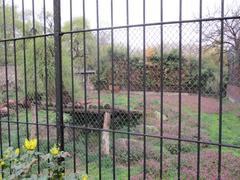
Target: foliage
(210, 74)
(20, 163)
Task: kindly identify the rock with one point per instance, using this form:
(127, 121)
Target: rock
(158, 116)
(11, 103)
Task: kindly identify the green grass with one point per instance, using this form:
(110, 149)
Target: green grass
(106, 170)
(42, 117)
(230, 128)
(121, 100)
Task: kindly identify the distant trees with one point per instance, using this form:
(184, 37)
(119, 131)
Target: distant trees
(42, 54)
(231, 31)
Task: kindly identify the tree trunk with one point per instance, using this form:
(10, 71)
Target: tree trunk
(233, 87)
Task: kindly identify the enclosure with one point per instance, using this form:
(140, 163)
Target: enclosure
(131, 89)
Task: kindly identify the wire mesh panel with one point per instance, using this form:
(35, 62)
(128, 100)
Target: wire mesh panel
(130, 89)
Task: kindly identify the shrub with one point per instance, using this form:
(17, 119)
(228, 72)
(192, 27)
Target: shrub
(20, 163)
(172, 147)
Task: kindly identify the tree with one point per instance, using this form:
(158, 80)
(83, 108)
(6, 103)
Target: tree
(78, 46)
(231, 31)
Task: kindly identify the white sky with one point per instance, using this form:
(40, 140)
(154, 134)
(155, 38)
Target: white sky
(170, 10)
(190, 10)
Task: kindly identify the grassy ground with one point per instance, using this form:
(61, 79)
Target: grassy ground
(209, 130)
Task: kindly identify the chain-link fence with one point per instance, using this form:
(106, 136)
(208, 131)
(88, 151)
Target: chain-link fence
(143, 99)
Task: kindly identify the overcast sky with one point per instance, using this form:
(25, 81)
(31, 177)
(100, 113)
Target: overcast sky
(190, 10)
(170, 9)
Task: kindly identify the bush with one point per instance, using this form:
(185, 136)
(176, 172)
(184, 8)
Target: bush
(172, 147)
(190, 73)
(18, 163)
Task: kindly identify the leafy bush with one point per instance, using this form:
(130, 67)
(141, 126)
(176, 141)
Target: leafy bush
(172, 147)
(20, 163)
(210, 76)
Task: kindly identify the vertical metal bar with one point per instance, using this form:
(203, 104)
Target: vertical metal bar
(85, 85)
(113, 100)
(128, 90)
(1, 147)
(25, 68)
(98, 91)
(46, 72)
(199, 88)
(15, 72)
(73, 97)
(35, 78)
(1, 144)
(6, 71)
(180, 89)
(161, 89)
(221, 92)
(144, 90)
(58, 72)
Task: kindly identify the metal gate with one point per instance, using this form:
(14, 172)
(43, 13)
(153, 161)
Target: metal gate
(129, 90)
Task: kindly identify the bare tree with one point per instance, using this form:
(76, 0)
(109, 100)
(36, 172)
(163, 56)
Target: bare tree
(231, 31)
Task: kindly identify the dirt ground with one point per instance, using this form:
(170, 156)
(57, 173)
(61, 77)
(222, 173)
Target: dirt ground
(208, 104)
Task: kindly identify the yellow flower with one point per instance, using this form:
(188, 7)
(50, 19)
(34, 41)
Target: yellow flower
(30, 145)
(54, 150)
(84, 177)
(2, 163)
(17, 151)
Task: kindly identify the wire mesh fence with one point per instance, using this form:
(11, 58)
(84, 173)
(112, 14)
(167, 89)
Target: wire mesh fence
(143, 99)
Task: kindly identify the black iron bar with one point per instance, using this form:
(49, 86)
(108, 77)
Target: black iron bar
(6, 71)
(58, 73)
(199, 89)
(99, 93)
(35, 80)
(113, 102)
(144, 90)
(180, 90)
(161, 89)
(25, 68)
(15, 72)
(122, 27)
(85, 85)
(26, 37)
(1, 147)
(151, 24)
(221, 92)
(132, 134)
(73, 94)
(46, 72)
(128, 90)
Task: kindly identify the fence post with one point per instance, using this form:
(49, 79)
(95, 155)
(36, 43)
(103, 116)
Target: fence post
(58, 73)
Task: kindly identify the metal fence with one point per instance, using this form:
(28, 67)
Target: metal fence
(149, 100)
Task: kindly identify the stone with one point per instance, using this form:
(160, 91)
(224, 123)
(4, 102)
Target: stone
(158, 116)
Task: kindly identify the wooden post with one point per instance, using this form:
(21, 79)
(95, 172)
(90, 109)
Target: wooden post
(105, 134)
